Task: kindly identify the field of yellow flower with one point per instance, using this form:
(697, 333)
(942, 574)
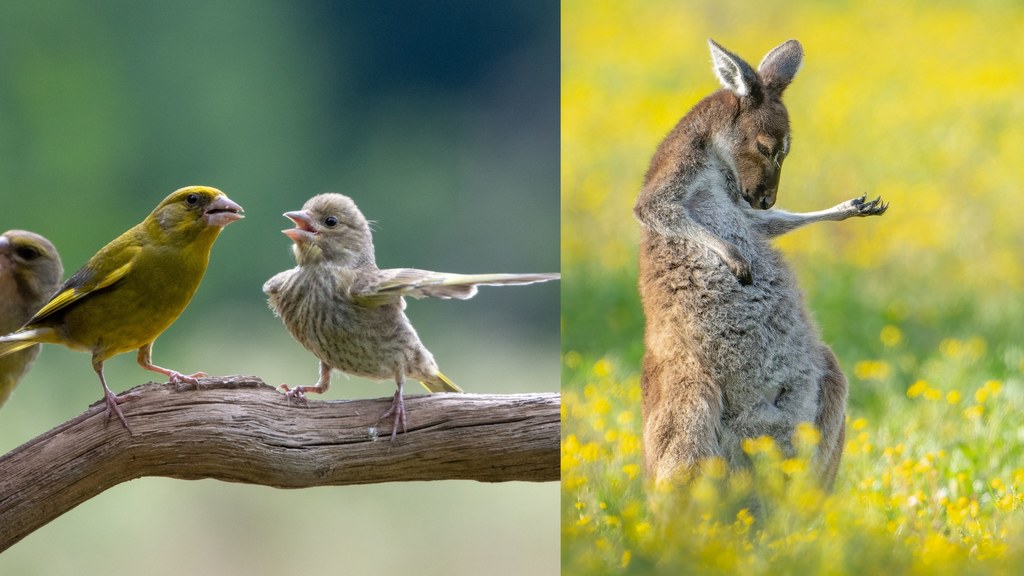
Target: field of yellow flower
(918, 102)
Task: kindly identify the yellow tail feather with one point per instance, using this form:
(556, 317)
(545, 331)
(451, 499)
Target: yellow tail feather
(25, 339)
(12, 346)
(445, 385)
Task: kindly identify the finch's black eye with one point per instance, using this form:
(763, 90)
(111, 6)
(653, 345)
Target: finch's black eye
(192, 199)
(26, 252)
(330, 221)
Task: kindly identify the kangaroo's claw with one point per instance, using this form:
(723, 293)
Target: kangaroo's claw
(862, 207)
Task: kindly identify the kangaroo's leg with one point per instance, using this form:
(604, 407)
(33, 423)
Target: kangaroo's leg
(773, 223)
(831, 418)
(682, 416)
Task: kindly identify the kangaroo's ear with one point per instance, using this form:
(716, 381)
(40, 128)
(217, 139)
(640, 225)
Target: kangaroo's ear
(734, 74)
(779, 66)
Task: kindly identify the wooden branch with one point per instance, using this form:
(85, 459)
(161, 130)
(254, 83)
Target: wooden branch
(238, 429)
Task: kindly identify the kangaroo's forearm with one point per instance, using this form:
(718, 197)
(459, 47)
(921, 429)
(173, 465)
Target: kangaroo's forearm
(776, 222)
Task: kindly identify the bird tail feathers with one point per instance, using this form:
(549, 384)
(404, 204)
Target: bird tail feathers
(20, 340)
(442, 384)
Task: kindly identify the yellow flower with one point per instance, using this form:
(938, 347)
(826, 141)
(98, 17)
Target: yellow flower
(953, 397)
(629, 444)
(759, 445)
(631, 470)
(872, 369)
(573, 482)
(807, 434)
(590, 452)
(714, 468)
(951, 348)
(793, 465)
(744, 519)
(917, 388)
(974, 412)
(602, 368)
(981, 394)
(891, 336)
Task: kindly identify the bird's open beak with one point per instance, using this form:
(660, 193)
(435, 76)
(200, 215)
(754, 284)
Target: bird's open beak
(222, 212)
(305, 227)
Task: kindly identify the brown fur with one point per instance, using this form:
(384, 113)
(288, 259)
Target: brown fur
(731, 351)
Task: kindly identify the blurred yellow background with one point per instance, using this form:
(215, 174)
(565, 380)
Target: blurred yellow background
(918, 102)
(442, 124)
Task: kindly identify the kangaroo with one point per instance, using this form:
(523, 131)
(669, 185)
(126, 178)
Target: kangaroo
(730, 349)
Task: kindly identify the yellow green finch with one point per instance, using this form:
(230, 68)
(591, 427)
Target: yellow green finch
(350, 314)
(135, 287)
(30, 271)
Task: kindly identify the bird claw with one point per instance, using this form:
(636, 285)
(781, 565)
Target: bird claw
(112, 402)
(298, 393)
(177, 378)
(397, 410)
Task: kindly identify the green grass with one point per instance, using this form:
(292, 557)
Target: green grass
(930, 483)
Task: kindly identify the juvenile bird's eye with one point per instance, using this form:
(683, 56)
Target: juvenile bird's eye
(26, 252)
(192, 199)
(330, 221)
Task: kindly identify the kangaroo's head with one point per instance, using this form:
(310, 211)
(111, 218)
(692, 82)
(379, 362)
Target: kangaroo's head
(755, 140)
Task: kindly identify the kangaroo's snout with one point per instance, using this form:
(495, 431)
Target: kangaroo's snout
(762, 198)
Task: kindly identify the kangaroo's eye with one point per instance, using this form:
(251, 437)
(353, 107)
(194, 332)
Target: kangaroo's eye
(764, 150)
(330, 221)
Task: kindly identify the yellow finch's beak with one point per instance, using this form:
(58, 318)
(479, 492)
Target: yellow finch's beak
(305, 226)
(222, 212)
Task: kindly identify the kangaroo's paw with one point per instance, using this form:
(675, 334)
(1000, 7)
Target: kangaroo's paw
(862, 207)
(740, 268)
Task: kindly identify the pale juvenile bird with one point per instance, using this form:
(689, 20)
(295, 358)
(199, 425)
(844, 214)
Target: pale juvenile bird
(30, 272)
(350, 314)
(135, 287)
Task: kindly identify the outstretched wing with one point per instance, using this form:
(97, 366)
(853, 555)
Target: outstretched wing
(389, 286)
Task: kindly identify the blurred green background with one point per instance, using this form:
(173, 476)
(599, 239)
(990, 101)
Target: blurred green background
(442, 124)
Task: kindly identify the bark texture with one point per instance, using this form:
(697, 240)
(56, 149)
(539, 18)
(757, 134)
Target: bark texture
(238, 429)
